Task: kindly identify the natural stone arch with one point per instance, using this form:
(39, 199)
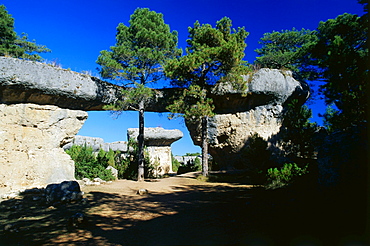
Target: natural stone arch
(238, 113)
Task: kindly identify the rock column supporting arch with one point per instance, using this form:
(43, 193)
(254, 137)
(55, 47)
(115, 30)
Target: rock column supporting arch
(31, 141)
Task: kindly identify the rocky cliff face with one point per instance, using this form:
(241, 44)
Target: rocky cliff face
(267, 94)
(31, 141)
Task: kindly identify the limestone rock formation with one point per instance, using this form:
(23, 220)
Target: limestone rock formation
(31, 141)
(158, 142)
(267, 94)
(97, 144)
(24, 81)
(239, 113)
(156, 136)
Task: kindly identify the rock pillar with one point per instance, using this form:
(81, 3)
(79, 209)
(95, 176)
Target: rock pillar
(31, 141)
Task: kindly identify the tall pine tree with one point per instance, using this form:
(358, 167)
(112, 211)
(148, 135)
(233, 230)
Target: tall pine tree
(137, 59)
(213, 55)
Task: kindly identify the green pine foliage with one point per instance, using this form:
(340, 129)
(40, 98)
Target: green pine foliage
(93, 165)
(141, 49)
(336, 53)
(190, 166)
(213, 55)
(280, 177)
(257, 155)
(341, 54)
(297, 131)
(175, 163)
(87, 165)
(128, 166)
(16, 46)
(286, 49)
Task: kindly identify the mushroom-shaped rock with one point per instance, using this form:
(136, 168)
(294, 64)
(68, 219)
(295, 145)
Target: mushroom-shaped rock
(156, 136)
(158, 142)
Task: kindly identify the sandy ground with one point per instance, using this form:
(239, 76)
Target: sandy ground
(178, 210)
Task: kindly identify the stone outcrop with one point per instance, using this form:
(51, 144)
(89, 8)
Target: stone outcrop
(31, 141)
(64, 192)
(158, 142)
(269, 91)
(97, 143)
(156, 136)
(24, 81)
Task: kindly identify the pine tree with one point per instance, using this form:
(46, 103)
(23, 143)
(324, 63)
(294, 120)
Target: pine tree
(137, 59)
(214, 55)
(17, 46)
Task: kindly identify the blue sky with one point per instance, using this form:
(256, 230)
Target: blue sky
(76, 31)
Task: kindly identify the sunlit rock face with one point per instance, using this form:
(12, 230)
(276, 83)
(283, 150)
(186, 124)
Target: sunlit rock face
(31, 141)
(260, 111)
(158, 142)
(97, 144)
(23, 81)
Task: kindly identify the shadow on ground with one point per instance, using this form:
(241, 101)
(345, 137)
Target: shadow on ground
(191, 215)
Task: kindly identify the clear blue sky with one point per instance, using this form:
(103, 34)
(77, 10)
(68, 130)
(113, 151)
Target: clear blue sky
(76, 31)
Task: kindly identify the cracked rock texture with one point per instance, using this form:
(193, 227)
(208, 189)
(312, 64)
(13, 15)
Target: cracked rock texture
(268, 92)
(31, 141)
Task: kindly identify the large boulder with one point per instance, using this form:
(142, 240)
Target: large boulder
(260, 111)
(31, 141)
(64, 192)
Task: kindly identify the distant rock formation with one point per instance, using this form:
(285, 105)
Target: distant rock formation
(31, 141)
(158, 142)
(97, 143)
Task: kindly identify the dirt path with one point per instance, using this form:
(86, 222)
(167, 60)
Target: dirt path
(179, 210)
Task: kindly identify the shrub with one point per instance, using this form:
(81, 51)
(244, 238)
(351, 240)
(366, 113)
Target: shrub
(87, 165)
(128, 166)
(190, 166)
(175, 163)
(278, 178)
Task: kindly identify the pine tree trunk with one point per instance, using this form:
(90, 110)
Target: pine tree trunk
(205, 146)
(140, 140)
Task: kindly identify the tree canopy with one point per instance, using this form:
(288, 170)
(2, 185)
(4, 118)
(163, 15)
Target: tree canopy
(341, 55)
(336, 53)
(141, 49)
(212, 55)
(286, 49)
(17, 46)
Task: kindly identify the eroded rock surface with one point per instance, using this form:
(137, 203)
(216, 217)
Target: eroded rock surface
(158, 142)
(97, 143)
(31, 141)
(24, 81)
(268, 92)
